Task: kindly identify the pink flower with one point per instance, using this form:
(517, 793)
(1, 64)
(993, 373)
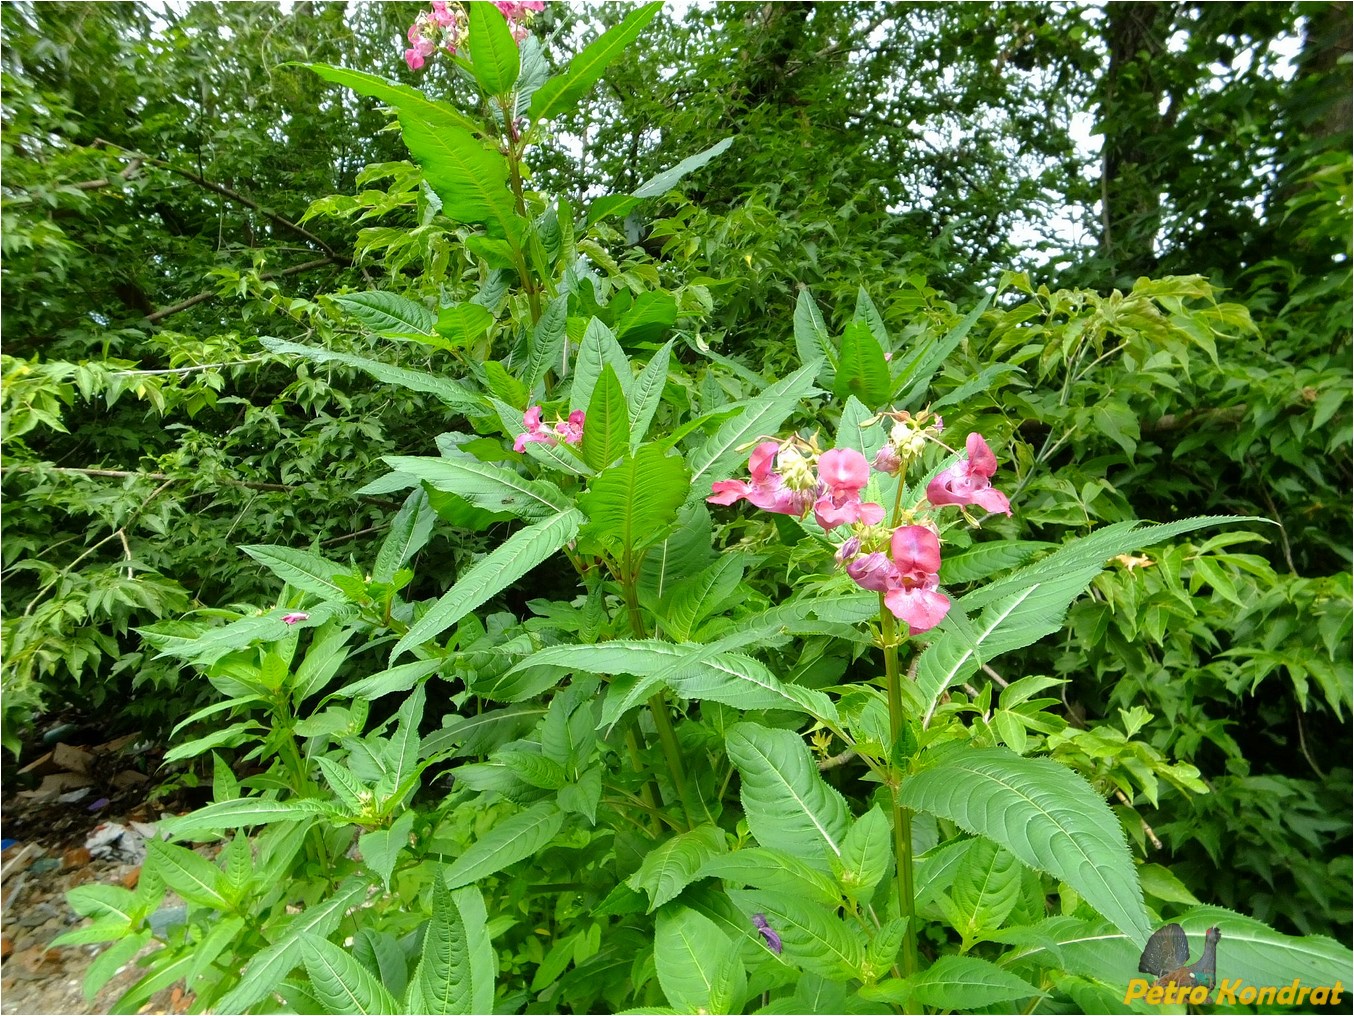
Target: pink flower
(768, 490)
(873, 571)
(844, 471)
(414, 59)
(295, 617)
(833, 512)
(571, 429)
(969, 481)
(912, 595)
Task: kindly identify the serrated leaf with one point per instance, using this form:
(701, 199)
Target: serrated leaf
(647, 393)
(967, 982)
(814, 937)
(547, 342)
(510, 841)
(450, 393)
(1044, 814)
(249, 811)
(597, 349)
(560, 93)
(671, 866)
(1023, 607)
(388, 313)
(516, 556)
(721, 455)
(862, 370)
(687, 949)
(409, 531)
(660, 183)
(443, 976)
(786, 802)
(694, 599)
(341, 983)
(398, 678)
(300, 568)
(266, 969)
(985, 890)
(469, 177)
(635, 502)
(486, 485)
(493, 52)
(606, 431)
(190, 875)
(812, 341)
(867, 854)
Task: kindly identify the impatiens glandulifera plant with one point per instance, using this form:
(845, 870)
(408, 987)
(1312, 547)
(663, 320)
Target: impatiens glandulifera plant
(621, 754)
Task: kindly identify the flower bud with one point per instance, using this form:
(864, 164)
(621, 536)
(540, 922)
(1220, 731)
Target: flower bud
(887, 460)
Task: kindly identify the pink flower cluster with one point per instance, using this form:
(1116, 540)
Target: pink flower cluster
(569, 431)
(443, 27)
(447, 27)
(834, 493)
(908, 576)
(785, 481)
(519, 15)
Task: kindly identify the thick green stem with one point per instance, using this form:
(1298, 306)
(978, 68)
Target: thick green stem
(667, 736)
(902, 817)
(514, 157)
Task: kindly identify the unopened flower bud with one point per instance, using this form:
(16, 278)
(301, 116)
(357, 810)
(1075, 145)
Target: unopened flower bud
(848, 550)
(887, 460)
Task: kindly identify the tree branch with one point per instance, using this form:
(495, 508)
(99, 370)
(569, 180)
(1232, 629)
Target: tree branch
(193, 301)
(228, 193)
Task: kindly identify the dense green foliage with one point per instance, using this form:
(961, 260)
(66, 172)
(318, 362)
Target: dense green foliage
(547, 697)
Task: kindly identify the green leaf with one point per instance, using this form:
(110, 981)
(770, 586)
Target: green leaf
(381, 953)
(248, 811)
(493, 54)
(814, 937)
(692, 670)
(1028, 604)
(647, 393)
(470, 179)
(635, 502)
(409, 531)
(512, 559)
(914, 376)
(107, 964)
(452, 394)
(562, 92)
(597, 349)
(507, 843)
(381, 848)
(812, 341)
(696, 598)
(767, 868)
(443, 977)
(484, 484)
(724, 453)
(867, 854)
(671, 866)
(392, 679)
(388, 313)
(340, 982)
(236, 733)
(659, 184)
(985, 559)
(1256, 953)
(1044, 814)
(687, 948)
(190, 875)
(462, 324)
(606, 430)
(868, 314)
(267, 968)
(862, 370)
(787, 804)
(967, 982)
(985, 890)
(302, 569)
(547, 343)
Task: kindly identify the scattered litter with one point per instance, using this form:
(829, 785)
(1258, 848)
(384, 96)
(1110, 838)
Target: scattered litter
(116, 842)
(75, 795)
(98, 805)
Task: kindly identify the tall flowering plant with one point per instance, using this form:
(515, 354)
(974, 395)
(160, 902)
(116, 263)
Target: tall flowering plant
(900, 560)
